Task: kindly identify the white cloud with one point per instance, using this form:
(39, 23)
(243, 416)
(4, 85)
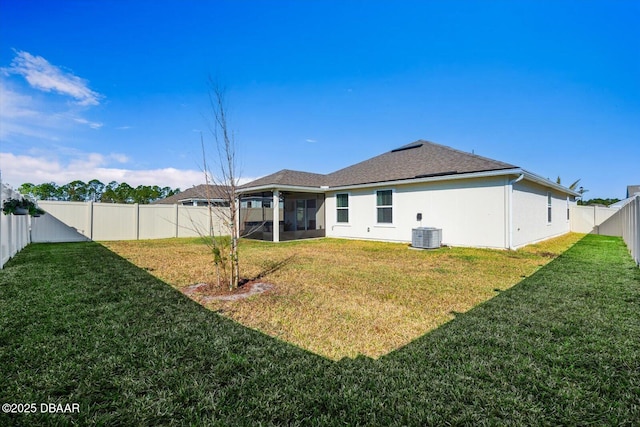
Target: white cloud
(311, 140)
(36, 169)
(19, 114)
(92, 125)
(120, 158)
(44, 76)
(34, 116)
(14, 104)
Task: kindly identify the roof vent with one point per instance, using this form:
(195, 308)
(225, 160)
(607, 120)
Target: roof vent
(408, 147)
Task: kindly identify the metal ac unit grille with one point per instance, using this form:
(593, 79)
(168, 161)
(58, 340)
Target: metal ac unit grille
(426, 237)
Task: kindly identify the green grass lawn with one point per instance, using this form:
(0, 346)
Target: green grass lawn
(78, 324)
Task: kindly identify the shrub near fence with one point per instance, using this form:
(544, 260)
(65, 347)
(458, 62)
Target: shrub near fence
(113, 221)
(14, 229)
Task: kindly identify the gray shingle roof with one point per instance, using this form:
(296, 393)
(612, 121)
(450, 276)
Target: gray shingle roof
(415, 160)
(289, 177)
(200, 192)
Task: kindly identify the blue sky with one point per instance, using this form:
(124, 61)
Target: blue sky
(117, 90)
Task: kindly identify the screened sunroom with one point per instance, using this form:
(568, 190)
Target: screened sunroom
(300, 215)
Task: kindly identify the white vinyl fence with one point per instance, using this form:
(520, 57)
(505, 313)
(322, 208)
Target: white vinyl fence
(14, 229)
(588, 219)
(630, 223)
(75, 221)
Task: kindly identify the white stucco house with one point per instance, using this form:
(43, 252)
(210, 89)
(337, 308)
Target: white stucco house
(476, 201)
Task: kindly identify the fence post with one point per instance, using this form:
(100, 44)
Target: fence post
(177, 218)
(137, 220)
(636, 229)
(10, 236)
(90, 220)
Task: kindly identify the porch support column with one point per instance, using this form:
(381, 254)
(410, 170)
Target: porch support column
(276, 215)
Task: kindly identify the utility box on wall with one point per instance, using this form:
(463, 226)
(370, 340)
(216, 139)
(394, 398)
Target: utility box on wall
(426, 237)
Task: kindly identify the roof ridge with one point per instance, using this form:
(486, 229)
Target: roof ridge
(299, 171)
(469, 154)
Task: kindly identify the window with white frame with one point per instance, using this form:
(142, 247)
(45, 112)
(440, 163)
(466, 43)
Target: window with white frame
(342, 208)
(384, 206)
(549, 207)
(568, 209)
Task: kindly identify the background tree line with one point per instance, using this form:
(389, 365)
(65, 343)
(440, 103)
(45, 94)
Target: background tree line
(598, 201)
(96, 191)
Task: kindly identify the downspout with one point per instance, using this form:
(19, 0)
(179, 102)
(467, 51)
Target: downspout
(510, 203)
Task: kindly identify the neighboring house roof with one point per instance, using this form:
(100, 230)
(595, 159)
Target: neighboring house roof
(198, 192)
(632, 190)
(419, 159)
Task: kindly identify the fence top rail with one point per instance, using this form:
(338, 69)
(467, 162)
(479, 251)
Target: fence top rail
(625, 202)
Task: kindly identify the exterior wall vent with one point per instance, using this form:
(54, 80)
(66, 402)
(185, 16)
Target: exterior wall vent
(426, 237)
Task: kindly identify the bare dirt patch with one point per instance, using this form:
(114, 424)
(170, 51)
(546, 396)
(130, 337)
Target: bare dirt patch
(205, 293)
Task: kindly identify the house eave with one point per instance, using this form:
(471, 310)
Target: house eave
(548, 183)
(278, 187)
(201, 199)
(436, 178)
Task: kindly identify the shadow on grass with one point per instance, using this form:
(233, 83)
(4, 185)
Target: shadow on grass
(268, 268)
(79, 325)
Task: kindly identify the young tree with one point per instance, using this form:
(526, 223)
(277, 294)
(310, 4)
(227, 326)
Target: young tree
(225, 250)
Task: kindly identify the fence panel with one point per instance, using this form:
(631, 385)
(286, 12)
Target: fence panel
(73, 221)
(630, 218)
(49, 229)
(157, 221)
(73, 214)
(194, 221)
(14, 229)
(612, 226)
(112, 221)
(588, 219)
